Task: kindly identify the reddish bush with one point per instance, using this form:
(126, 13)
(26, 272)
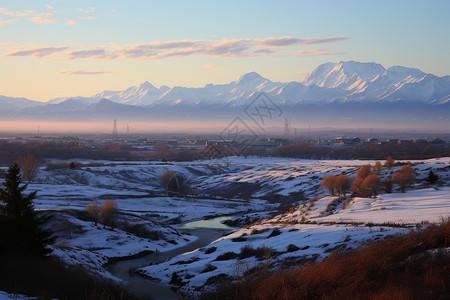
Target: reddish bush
(370, 185)
(342, 184)
(404, 177)
(329, 183)
(378, 167)
(389, 162)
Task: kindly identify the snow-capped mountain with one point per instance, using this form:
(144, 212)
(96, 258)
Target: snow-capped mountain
(345, 75)
(342, 90)
(143, 94)
(330, 82)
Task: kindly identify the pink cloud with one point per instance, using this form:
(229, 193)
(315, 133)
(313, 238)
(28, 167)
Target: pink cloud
(226, 48)
(37, 52)
(23, 13)
(7, 21)
(82, 72)
(44, 18)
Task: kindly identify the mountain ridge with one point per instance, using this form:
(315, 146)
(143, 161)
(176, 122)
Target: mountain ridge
(338, 85)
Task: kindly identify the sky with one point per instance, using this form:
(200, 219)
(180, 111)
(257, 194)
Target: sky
(60, 48)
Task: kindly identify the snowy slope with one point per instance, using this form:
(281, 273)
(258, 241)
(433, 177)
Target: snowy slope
(312, 230)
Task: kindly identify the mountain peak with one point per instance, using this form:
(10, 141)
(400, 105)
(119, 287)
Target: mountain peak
(249, 78)
(344, 74)
(146, 86)
(399, 72)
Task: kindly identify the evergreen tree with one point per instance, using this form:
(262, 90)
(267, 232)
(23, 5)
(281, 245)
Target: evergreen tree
(20, 228)
(432, 178)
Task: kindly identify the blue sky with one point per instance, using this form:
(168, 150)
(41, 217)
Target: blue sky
(59, 48)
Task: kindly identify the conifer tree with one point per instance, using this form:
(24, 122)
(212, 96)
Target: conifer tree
(20, 227)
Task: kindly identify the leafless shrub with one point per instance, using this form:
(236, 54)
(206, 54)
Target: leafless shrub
(108, 213)
(29, 166)
(404, 177)
(94, 210)
(389, 162)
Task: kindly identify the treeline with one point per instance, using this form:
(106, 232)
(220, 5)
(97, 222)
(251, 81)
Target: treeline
(405, 151)
(11, 150)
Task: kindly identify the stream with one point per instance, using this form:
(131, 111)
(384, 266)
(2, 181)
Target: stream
(206, 231)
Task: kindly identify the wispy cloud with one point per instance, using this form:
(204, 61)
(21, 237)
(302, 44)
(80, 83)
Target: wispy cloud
(23, 13)
(318, 52)
(91, 53)
(31, 15)
(7, 21)
(49, 6)
(87, 10)
(225, 48)
(82, 72)
(212, 67)
(73, 22)
(37, 52)
(43, 18)
(289, 41)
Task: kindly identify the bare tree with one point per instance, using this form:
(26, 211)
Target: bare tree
(404, 177)
(387, 184)
(389, 162)
(29, 166)
(342, 184)
(378, 167)
(108, 213)
(329, 183)
(370, 185)
(356, 185)
(365, 171)
(94, 210)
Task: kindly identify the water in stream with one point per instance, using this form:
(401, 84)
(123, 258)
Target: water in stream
(206, 231)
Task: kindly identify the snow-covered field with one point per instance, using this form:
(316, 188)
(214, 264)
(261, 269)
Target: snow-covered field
(251, 190)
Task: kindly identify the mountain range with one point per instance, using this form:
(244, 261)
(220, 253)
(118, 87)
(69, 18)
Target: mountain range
(341, 91)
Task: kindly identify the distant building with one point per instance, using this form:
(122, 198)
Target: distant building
(372, 140)
(347, 141)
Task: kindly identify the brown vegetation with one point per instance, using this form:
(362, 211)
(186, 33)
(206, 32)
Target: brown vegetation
(370, 185)
(387, 185)
(174, 184)
(29, 166)
(414, 150)
(378, 167)
(415, 266)
(108, 213)
(389, 162)
(11, 150)
(404, 177)
(94, 211)
(336, 184)
(329, 183)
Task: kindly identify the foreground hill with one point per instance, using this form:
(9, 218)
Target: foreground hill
(310, 231)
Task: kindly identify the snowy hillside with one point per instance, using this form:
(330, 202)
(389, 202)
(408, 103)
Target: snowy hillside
(309, 231)
(245, 193)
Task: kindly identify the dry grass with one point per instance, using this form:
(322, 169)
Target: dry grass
(414, 266)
